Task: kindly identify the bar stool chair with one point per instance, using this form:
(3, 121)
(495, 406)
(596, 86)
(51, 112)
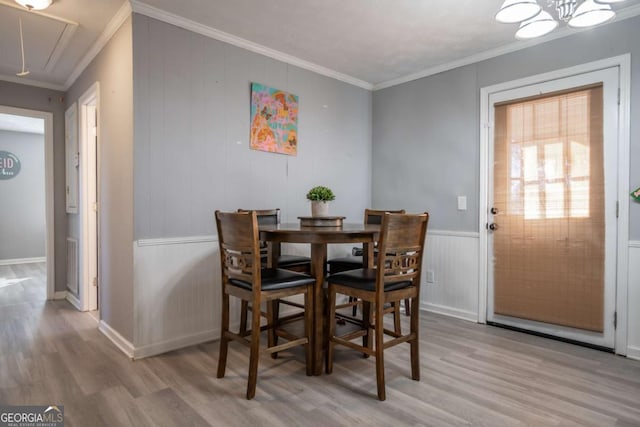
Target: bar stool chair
(244, 277)
(297, 263)
(355, 261)
(396, 277)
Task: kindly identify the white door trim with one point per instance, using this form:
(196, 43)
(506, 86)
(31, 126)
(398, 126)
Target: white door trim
(623, 62)
(88, 196)
(48, 190)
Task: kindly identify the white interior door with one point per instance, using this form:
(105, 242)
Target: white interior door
(533, 281)
(88, 105)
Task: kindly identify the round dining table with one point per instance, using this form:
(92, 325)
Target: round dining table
(319, 237)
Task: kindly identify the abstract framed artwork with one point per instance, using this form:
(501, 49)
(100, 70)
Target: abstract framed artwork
(274, 120)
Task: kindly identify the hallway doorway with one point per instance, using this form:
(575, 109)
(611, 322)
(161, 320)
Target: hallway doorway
(26, 189)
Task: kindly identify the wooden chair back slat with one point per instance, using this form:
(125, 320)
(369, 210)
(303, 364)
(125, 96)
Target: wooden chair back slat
(265, 217)
(401, 247)
(239, 246)
(374, 216)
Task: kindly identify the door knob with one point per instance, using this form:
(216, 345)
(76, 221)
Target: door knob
(494, 211)
(493, 226)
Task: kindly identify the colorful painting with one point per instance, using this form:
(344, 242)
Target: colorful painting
(274, 120)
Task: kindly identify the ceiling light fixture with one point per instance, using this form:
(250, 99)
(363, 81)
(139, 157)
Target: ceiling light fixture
(35, 4)
(536, 22)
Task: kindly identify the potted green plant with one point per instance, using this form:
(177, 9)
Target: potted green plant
(320, 197)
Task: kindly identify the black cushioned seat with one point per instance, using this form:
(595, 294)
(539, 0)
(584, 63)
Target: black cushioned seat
(277, 278)
(285, 261)
(336, 265)
(365, 279)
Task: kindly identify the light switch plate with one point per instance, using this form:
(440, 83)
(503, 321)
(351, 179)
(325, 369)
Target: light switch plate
(462, 203)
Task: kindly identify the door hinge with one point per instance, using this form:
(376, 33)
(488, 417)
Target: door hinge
(617, 209)
(94, 206)
(615, 320)
(487, 125)
(618, 96)
(94, 282)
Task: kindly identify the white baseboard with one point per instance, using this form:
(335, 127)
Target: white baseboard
(60, 295)
(176, 343)
(73, 300)
(22, 260)
(633, 352)
(450, 311)
(125, 346)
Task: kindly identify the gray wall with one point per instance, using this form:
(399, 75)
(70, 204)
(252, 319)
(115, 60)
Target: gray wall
(192, 156)
(22, 216)
(113, 69)
(435, 120)
(34, 98)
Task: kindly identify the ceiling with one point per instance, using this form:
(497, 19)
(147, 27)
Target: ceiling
(21, 123)
(55, 41)
(368, 42)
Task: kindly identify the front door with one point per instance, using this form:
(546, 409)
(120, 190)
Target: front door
(553, 211)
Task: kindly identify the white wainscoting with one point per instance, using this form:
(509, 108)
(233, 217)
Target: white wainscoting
(633, 301)
(177, 293)
(453, 258)
(177, 287)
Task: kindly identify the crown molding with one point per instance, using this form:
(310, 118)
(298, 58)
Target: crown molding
(31, 82)
(118, 19)
(187, 24)
(626, 13)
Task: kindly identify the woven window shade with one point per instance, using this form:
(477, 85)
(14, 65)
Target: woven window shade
(549, 191)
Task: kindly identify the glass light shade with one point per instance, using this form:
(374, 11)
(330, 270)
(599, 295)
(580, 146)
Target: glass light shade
(541, 24)
(35, 4)
(513, 11)
(609, 1)
(591, 13)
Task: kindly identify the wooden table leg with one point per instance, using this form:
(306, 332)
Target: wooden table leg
(318, 260)
(273, 253)
(367, 252)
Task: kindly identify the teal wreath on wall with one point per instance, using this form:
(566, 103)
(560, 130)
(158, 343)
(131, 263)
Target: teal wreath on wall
(9, 165)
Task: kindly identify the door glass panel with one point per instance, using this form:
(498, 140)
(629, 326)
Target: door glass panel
(531, 201)
(553, 160)
(580, 199)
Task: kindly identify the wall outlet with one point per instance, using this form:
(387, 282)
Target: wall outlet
(430, 276)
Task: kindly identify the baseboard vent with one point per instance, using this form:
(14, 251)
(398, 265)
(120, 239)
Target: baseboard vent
(72, 265)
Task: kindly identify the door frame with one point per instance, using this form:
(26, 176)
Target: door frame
(623, 62)
(89, 193)
(48, 190)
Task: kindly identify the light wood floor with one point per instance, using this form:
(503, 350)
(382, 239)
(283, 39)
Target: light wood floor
(471, 375)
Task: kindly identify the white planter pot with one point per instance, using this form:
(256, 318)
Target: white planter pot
(319, 208)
